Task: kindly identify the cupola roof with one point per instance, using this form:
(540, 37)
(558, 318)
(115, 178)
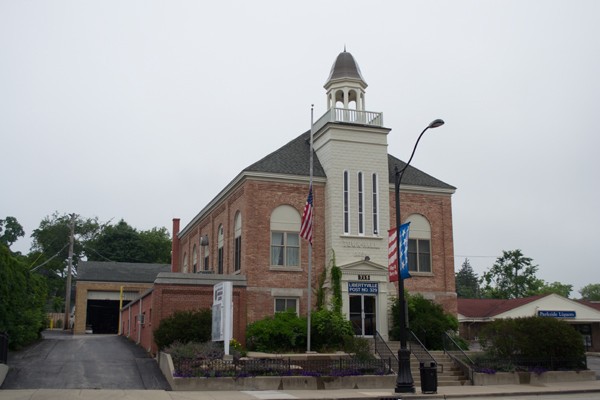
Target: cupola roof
(345, 67)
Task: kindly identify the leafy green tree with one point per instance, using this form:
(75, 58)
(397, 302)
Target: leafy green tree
(123, 243)
(22, 300)
(559, 288)
(512, 276)
(51, 241)
(591, 292)
(10, 231)
(467, 282)
(426, 319)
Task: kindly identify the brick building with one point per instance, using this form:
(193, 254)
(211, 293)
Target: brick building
(251, 228)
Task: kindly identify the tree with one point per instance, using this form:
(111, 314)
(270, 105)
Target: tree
(123, 243)
(22, 300)
(591, 292)
(467, 282)
(10, 231)
(511, 276)
(558, 288)
(51, 239)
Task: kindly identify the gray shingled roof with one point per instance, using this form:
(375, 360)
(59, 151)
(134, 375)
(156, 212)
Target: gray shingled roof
(345, 67)
(413, 176)
(293, 159)
(102, 271)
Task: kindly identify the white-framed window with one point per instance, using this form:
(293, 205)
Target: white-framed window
(220, 243)
(237, 258)
(419, 244)
(361, 204)
(195, 259)
(283, 304)
(185, 263)
(375, 205)
(285, 237)
(346, 203)
(285, 249)
(206, 258)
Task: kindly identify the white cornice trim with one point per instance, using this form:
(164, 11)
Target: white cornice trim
(422, 189)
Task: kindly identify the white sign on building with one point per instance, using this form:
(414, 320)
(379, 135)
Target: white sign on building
(222, 313)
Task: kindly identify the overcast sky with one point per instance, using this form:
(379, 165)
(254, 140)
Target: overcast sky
(144, 110)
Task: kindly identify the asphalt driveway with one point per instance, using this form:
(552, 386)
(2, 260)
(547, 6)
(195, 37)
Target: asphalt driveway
(65, 361)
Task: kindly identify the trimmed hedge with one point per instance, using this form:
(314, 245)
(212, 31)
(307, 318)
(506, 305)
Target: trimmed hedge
(184, 327)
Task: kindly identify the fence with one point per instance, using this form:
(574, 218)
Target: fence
(280, 367)
(3, 347)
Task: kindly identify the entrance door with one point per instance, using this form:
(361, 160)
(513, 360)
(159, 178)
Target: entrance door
(363, 314)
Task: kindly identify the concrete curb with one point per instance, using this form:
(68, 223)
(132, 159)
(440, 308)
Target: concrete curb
(3, 372)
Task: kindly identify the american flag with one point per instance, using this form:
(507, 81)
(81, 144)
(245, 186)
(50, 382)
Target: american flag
(306, 228)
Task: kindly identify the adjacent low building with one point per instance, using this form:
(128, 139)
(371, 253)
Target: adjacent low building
(584, 316)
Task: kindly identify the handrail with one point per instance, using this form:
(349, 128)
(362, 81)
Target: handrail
(347, 115)
(420, 351)
(3, 347)
(383, 350)
(465, 363)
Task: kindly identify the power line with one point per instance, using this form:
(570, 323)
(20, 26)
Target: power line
(48, 260)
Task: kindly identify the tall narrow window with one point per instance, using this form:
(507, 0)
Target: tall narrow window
(195, 259)
(346, 204)
(206, 258)
(238, 242)
(361, 204)
(375, 207)
(220, 241)
(185, 263)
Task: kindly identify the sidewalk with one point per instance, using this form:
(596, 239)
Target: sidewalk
(447, 392)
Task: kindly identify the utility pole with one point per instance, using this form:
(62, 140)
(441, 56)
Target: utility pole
(69, 271)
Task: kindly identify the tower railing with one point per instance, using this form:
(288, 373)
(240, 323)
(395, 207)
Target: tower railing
(347, 115)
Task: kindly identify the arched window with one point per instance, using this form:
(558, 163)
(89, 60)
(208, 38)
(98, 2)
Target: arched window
(285, 239)
(419, 244)
(206, 256)
(195, 259)
(220, 242)
(185, 263)
(237, 234)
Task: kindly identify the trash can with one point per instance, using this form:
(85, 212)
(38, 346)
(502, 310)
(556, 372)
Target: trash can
(428, 377)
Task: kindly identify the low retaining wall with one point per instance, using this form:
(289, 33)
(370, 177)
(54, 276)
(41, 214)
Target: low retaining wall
(516, 378)
(273, 382)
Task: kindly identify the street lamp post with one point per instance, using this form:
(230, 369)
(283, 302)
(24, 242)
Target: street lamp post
(404, 381)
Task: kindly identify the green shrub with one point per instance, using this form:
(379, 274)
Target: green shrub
(531, 337)
(329, 330)
(426, 319)
(184, 327)
(195, 351)
(358, 346)
(281, 333)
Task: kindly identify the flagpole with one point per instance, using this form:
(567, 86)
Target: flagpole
(309, 305)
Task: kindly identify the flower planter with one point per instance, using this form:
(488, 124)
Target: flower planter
(272, 382)
(516, 378)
